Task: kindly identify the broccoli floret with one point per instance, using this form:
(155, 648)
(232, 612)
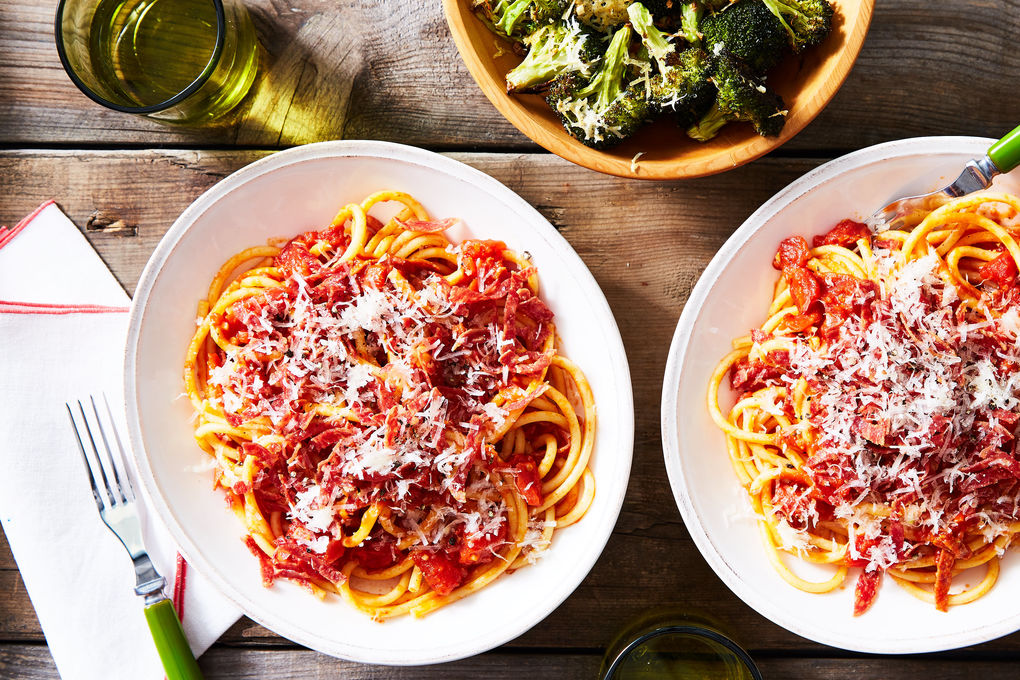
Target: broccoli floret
(691, 13)
(600, 112)
(608, 81)
(553, 50)
(655, 41)
(740, 98)
(515, 19)
(806, 21)
(684, 88)
(605, 15)
(624, 116)
(749, 31)
(690, 22)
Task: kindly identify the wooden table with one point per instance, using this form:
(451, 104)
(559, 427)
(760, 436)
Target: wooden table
(372, 70)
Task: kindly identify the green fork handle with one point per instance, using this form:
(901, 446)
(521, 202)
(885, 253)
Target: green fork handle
(1005, 153)
(174, 651)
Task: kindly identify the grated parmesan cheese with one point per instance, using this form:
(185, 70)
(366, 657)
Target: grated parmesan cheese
(927, 382)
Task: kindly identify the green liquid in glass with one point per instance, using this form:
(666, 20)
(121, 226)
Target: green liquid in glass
(680, 658)
(153, 49)
(673, 644)
(147, 51)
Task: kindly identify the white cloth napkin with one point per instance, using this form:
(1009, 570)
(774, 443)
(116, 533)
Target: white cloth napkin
(63, 322)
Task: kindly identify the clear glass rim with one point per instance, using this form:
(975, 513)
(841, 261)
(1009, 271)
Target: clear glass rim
(692, 631)
(199, 81)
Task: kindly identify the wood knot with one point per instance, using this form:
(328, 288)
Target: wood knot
(106, 223)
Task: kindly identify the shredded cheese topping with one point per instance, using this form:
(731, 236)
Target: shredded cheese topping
(904, 404)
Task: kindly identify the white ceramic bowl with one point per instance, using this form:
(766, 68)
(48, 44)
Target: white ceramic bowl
(283, 195)
(731, 298)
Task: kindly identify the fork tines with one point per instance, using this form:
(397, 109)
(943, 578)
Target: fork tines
(89, 422)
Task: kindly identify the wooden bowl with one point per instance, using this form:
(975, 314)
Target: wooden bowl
(806, 83)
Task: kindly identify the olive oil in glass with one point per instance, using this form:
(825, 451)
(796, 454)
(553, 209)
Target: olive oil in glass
(679, 655)
(671, 644)
(179, 61)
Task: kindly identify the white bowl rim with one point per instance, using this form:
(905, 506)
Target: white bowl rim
(457, 170)
(811, 181)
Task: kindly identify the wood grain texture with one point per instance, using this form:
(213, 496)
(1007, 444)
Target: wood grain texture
(31, 662)
(645, 242)
(361, 69)
(365, 69)
(329, 70)
(597, 213)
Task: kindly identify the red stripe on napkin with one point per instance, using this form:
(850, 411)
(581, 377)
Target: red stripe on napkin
(8, 234)
(12, 307)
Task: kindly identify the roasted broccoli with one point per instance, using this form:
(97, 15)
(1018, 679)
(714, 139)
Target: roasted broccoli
(552, 50)
(683, 88)
(605, 15)
(516, 19)
(690, 22)
(700, 62)
(600, 112)
(740, 97)
(681, 85)
(749, 31)
(655, 41)
(806, 21)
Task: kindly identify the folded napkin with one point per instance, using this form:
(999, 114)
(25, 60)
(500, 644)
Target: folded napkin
(63, 322)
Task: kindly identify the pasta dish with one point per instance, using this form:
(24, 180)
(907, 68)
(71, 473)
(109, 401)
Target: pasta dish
(876, 410)
(387, 411)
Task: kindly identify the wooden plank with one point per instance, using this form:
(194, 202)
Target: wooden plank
(390, 71)
(33, 662)
(617, 591)
(609, 221)
(146, 191)
(329, 70)
(614, 225)
(17, 617)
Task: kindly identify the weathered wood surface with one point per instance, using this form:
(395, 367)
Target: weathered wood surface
(614, 224)
(386, 70)
(372, 70)
(28, 662)
(646, 243)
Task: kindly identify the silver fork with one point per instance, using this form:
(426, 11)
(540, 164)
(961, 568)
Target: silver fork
(118, 512)
(978, 174)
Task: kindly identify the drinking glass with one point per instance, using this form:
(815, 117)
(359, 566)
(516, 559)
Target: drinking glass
(176, 61)
(676, 646)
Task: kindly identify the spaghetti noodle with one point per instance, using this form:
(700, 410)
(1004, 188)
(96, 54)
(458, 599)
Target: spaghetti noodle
(877, 406)
(388, 412)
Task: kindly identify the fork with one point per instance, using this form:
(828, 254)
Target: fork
(118, 512)
(1001, 157)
